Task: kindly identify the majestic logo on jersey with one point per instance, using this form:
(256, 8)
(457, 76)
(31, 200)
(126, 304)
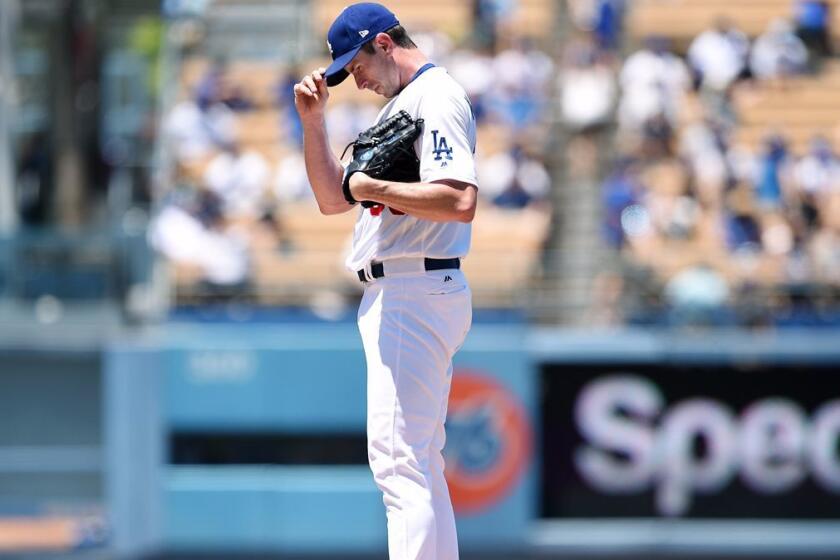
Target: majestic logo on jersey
(441, 148)
(364, 33)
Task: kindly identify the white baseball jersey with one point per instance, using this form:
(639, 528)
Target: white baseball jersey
(446, 151)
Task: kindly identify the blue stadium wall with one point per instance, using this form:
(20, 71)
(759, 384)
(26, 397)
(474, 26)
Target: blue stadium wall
(278, 385)
(557, 439)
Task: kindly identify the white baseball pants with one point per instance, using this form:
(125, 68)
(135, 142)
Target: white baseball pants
(411, 326)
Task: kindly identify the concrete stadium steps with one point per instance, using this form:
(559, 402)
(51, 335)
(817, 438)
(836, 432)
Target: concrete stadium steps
(682, 20)
(577, 255)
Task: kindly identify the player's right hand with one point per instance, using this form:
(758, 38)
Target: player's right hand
(311, 94)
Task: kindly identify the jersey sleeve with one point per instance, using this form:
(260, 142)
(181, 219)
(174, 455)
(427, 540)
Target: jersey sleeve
(447, 145)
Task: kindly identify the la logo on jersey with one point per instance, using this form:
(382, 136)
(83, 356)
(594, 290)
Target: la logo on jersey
(441, 148)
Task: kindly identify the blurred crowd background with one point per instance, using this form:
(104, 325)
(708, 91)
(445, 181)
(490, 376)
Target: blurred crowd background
(654, 163)
(642, 164)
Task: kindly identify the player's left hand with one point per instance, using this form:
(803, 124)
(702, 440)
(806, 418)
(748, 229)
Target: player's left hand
(384, 151)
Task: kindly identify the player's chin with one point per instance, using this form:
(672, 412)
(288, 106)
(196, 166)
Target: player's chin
(382, 89)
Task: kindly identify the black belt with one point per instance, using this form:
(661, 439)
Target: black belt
(378, 271)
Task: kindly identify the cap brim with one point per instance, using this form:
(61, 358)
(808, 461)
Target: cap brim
(335, 72)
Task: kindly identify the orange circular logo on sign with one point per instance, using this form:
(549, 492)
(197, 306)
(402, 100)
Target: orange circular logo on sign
(488, 441)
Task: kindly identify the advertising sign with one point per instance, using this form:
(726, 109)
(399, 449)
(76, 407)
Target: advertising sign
(690, 442)
(488, 441)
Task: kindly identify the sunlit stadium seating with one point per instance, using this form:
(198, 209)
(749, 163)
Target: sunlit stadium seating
(799, 109)
(529, 17)
(683, 20)
(304, 254)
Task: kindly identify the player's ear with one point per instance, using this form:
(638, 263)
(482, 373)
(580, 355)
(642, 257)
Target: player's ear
(383, 42)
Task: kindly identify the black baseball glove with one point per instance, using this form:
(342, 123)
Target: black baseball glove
(385, 151)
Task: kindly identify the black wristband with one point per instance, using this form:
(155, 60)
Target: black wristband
(345, 188)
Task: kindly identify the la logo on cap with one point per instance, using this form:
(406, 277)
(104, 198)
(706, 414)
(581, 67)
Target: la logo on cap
(329, 46)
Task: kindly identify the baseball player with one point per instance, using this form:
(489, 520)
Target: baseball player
(408, 241)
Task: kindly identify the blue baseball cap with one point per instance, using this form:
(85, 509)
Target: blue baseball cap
(354, 27)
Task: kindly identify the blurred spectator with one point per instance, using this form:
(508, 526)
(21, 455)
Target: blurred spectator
(741, 229)
(523, 67)
(488, 16)
(435, 44)
(718, 56)
(697, 295)
(484, 24)
(824, 248)
(347, 119)
(731, 221)
(239, 178)
(34, 179)
(819, 170)
(621, 190)
(778, 52)
(672, 212)
(234, 97)
(514, 179)
(774, 171)
(587, 87)
(657, 136)
(519, 87)
(284, 98)
(604, 18)
(703, 145)
(196, 127)
(743, 164)
(217, 87)
(607, 27)
(473, 69)
(813, 26)
(653, 82)
(189, 230)
(776, 235)
(291, 184)
(815, 175)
